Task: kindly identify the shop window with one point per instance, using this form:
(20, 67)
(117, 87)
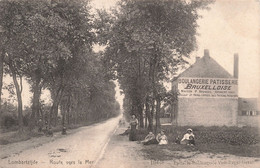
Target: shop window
(250, 113)
(243, 113)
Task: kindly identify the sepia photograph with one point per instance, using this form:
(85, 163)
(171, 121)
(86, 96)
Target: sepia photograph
(130, 83)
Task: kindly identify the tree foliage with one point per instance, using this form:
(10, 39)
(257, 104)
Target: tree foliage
(146, 41)
(49, 43)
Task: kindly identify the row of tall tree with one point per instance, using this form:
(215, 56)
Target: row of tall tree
(50, 44)
(147, 40)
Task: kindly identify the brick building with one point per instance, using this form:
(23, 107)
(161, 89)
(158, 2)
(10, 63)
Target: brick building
(207, 94)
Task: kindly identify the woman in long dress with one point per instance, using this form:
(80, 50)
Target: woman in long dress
(133, 125)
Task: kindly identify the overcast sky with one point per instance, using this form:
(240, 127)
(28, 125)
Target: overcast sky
(234, 27)
(230, 26)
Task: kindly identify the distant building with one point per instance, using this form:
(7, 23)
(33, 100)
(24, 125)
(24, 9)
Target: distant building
(248, 112)
(207, 94)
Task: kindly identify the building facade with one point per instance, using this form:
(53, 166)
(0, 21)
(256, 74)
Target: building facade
(248, 112)
(207, 94)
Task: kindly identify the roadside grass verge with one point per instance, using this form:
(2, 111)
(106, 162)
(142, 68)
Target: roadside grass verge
(12, 137)
(243, 142)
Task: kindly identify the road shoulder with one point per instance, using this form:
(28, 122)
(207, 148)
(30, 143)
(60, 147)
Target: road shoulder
(120, 152)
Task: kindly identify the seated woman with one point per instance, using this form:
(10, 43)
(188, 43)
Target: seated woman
(127, 131)
(163, 139)
(148, 137)
(154, 140)
(188, 138)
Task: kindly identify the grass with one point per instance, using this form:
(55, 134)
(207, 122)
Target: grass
(229, 140)
(17, 137)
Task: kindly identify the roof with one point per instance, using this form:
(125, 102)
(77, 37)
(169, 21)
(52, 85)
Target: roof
(205, 67)
(246, 104)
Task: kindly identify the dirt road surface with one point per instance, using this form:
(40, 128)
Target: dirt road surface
(121, 153)
(101, 146)
(82, 147)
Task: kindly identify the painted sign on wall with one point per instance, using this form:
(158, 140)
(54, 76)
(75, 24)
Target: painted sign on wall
(208, 87)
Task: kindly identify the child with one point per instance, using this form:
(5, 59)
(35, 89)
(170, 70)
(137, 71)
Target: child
(163, 139)
(188, 138)
(177, 140)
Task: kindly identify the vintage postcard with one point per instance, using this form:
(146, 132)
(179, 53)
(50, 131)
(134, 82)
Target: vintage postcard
(129, 83)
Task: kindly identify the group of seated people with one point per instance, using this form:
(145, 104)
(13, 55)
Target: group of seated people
(161, 139)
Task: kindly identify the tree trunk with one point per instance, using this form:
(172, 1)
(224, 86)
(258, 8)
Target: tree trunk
(149, 115)
(68, 110)
(63, 113)
(55, 112)
(1, 79)
(174, 109)
(19, 98)
(140, 112)
(1, 74)
(152, 113)
(52, 110)
(157, 115)
(55, 106)
(35, 102)
(145, 120)
(77, 110)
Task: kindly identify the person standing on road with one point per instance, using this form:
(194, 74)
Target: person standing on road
(40, 125)
(133, 131)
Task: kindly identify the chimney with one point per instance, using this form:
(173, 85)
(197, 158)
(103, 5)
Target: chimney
(235, 65)
(206, 53)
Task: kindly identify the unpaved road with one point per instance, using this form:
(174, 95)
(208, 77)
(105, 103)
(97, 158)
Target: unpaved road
(121, 153)
(83, 148)
(101, 146)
